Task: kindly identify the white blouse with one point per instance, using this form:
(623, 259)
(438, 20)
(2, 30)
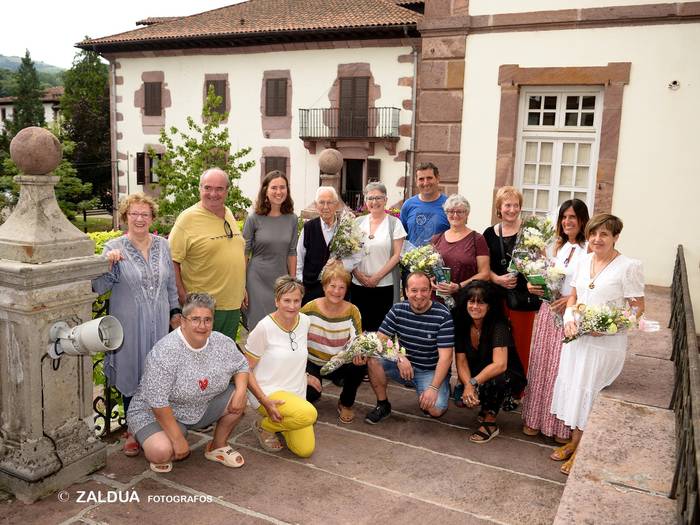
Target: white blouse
(279, 367)
(377, 251)
(567, 259)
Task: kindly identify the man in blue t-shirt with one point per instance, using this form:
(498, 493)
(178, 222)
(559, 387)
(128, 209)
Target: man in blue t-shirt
(422, 215)
(425, 329)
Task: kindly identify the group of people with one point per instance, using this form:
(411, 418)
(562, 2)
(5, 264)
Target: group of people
(180, 301)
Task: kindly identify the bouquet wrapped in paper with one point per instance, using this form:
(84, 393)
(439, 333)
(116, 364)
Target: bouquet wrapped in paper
(347, 240)
(427, 260)
(367, 344)
(605, 319)
(530, 256)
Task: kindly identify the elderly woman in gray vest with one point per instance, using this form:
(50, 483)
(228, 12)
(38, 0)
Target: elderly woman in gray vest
(375, 281)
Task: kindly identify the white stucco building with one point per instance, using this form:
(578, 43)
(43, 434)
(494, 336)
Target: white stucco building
(596, 99)
(50, 100)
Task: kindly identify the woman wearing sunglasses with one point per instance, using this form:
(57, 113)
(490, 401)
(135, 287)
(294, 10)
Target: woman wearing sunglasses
(277, 353)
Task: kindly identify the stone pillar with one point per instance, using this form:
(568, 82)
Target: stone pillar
(330, 162)
(441, 87)
(47, 440)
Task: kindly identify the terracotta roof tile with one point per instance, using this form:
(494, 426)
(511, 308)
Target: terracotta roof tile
(156, 20)
(52, 94)
(270, 16)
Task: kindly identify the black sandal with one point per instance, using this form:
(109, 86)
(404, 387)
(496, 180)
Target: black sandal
(491, 431)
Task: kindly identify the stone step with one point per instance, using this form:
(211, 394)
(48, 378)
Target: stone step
(624, 467)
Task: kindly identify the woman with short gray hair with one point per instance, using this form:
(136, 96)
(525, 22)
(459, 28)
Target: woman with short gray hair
(186, 385)
(376, 281)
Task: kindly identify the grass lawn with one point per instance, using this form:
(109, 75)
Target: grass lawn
(93, 224)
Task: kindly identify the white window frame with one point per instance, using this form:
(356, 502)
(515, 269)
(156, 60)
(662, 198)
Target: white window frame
(558, 134)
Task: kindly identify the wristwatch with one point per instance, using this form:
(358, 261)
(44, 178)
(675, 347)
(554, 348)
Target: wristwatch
(473, 382)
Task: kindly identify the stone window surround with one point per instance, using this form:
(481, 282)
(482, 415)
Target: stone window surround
(152, 125)
(276, 127)
(275, 151)
(613, 77)
(227, 98)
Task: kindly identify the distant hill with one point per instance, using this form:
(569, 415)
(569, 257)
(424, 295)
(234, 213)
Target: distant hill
(12, 63)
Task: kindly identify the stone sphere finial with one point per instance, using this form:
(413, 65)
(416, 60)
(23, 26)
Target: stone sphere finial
(330, 161)
(35, 151)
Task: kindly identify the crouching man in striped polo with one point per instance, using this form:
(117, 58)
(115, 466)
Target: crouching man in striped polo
(425, 329)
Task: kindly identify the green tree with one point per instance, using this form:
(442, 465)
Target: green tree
(188, 154)
(28, 109)
(85, 111)
(72, 194)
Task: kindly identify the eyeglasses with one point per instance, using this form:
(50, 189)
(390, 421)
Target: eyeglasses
(323, 204)
(228, 230)
(375, 198)
(292, 340)
(456, 212)
(206, 321)
(136, 215)
(214, 189)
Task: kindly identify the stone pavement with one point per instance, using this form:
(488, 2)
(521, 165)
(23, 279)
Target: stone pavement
(407, 469)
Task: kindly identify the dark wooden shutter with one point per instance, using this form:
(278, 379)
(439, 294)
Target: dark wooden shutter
(354, 102)
(373, 170)
(140, 168)
(153, 99)
(276, 163)
(220, 91)
(276, 97)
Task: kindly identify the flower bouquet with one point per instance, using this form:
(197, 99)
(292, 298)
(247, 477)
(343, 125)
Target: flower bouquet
(427, 260)
(347, 239)
(605, 319)
(367, 344)
(529, 256)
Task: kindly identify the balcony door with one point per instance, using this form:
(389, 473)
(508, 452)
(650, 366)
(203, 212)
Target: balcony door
(353, 106)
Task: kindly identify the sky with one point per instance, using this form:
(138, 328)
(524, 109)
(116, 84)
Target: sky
(50, 30)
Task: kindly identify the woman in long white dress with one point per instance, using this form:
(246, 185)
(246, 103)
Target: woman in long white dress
(592, 362)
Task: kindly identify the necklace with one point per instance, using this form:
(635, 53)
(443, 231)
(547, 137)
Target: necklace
(591, 285)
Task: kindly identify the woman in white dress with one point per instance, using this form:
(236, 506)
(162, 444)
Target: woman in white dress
(592, 362)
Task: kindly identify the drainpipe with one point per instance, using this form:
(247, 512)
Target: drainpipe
(114, 164)
(408, 188)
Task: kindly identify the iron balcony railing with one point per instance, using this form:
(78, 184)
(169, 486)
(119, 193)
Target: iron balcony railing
(332, 123)
(686, 396)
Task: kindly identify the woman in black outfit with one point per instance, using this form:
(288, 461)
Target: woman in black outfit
(487, 363)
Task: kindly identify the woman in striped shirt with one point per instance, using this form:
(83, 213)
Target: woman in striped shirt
(334, 322)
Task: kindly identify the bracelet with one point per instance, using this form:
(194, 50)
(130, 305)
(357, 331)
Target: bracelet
(433, 387)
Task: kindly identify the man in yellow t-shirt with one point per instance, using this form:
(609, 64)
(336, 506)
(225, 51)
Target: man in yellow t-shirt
(208, 252)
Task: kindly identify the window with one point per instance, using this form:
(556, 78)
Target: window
(144, 168)
(220, 91)
(276, 163)
(373, 166)
(276, 97)
(557, 150)
(153, 107)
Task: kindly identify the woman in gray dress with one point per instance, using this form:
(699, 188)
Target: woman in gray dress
(271, 238)
(144, 296)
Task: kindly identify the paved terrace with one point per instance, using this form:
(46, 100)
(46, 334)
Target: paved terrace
(407, 469)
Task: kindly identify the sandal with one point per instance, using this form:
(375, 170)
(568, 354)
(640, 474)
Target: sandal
(346, 415)
(162, 468)
(566, 467)
(268, 441)
(225, 455)
(131, 447)
(490, 431)
(529, 431)
(562, 441)
(563, 453)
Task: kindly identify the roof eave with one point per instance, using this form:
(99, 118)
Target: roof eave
(407, 29)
